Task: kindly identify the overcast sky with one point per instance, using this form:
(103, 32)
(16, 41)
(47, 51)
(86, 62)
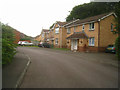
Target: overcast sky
(30, 16)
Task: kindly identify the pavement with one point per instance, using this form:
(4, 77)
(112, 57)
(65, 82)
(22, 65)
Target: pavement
(12, 74)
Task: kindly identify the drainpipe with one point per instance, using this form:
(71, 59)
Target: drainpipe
(61, 39)
(98, 34)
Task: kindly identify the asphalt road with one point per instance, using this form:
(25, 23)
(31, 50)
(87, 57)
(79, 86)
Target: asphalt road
(65, 69)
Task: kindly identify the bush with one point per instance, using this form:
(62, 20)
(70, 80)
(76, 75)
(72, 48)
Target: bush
(8, 47)
(117, 45)
(8, 51)
(51, 46)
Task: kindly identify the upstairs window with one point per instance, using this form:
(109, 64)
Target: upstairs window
(111, 27)
(43, 35)
(68, 31)
(74, 28)
(91, 41)
(91, 26)
(56, 41)
(83, 27)
(57, 30)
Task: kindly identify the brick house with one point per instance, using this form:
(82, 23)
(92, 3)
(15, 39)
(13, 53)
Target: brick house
(44, 35)
(58, 35)
(91, 34)
(18, 36)
(38, 38)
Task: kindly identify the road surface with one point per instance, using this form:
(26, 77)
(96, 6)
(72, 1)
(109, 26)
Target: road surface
(65, 69)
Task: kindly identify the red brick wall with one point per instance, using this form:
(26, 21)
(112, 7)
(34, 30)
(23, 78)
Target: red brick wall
(17, 36)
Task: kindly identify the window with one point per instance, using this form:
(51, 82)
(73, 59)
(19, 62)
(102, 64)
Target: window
(111, 27)
(68, 30)
(83, 27)
(43, 35)
(74, 28)
(91, 26)
(91, 41)
(57, 30)
(56, 41)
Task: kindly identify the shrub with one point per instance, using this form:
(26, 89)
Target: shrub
(8, 47)
(51, 46)
(117, 45)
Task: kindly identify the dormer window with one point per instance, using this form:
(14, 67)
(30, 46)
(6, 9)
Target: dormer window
(91, 26)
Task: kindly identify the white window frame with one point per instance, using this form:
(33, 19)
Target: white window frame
(57, 30)
(91, 40)
(112, 29)
(56, 41)
(68, 30)
(91, 26)
(74, 28)
(42, 34)
(83, 27)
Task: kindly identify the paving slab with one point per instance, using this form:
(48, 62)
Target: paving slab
(12, 72)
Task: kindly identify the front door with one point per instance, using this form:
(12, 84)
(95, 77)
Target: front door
(74, 44)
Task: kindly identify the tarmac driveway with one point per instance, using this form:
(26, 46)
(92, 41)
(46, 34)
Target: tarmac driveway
(66, 69)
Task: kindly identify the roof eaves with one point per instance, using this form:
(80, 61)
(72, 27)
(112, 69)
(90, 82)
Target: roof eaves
(71, 22)
(80, 24)
(107, 16)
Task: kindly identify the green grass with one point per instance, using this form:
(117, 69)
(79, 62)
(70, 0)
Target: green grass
(28, 46)
(65, 49)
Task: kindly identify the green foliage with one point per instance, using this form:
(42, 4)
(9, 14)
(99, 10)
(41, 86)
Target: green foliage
(51, 46)
(90, 9)
(117, 46)
(52, 25)
(65, 49)
(117, 12)
(22, 39)
(8, 47)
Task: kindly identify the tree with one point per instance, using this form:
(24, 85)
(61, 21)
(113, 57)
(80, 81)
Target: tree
(90, 9)
(117, 12)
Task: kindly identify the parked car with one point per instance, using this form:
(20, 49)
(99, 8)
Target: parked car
(40, 44)
(45, 45)
(110, 49)
(25, 43)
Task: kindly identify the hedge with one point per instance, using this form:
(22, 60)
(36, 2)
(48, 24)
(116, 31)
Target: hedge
(8, 47)
(117, 46)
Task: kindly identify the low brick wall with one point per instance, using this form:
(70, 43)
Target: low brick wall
(102, 49)
(92, 49)
(56, 46)
(82, 49)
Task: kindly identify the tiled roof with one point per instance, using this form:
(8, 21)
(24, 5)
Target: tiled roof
(93, 18)
(45, 30)
(77, 35)
(61, 23)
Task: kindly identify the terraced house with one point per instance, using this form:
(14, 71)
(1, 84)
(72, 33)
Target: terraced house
(57, 35)
(91, 34)
(38, 38)
(44, 35)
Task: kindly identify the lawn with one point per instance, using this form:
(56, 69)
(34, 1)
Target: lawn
(61, 49)
(28, 46)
